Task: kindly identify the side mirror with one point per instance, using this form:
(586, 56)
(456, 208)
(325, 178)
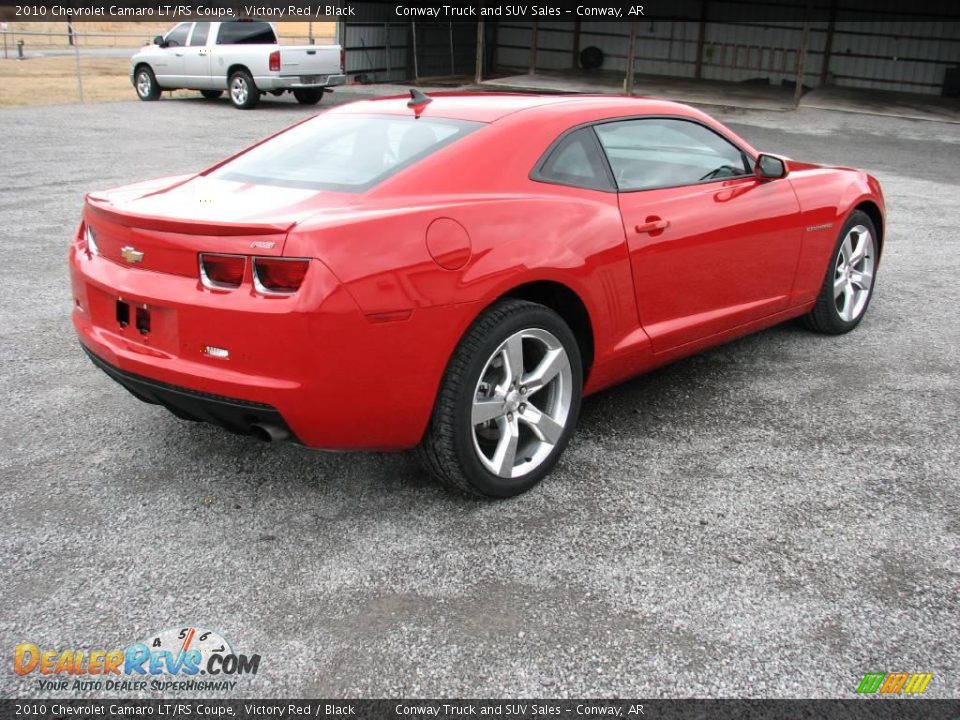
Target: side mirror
(769, 167)
(158, 40)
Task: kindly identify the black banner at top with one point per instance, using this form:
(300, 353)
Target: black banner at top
(486, 10)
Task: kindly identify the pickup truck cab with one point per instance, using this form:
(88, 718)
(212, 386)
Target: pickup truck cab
(241, 56)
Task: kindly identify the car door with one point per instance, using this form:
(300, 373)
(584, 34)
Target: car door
(169, 64)
(196, 59)
(711, 245)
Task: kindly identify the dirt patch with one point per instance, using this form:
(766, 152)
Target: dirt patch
(53, 81)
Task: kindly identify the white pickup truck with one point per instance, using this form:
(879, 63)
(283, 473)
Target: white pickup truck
(241, 56)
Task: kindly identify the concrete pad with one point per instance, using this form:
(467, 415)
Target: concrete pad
(751, 96)
(876, 102)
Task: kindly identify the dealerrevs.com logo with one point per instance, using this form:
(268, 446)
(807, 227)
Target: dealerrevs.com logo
(185, 658)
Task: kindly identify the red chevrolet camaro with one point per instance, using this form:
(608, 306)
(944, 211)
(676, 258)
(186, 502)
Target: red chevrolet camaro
(454, 273)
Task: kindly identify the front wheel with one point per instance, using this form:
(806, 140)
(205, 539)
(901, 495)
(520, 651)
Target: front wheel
(848, 284)
(508, 403)
(308, 96)
(243, 91)
(146, 84)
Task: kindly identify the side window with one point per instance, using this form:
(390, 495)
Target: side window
(242, 32)
(656, 152)
(576, 161)
(200, 32)
(178, 36)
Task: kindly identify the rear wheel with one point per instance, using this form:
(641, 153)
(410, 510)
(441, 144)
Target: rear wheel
(146, 84)
(243, 92)
(211, 94)
(508, 404)
(848, 284)
(308, 96)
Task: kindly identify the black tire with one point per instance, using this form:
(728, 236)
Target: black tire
(447, 449)
(145, 84)
(246, 100)
(308, 96)
(211, 94)
(825, 317)
(591, 58)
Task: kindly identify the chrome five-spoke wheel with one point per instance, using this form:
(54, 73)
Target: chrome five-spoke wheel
(853, 273)
(521, 403)
(850, 277)
(508, 402)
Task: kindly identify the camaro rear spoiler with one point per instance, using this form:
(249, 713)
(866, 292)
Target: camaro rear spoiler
(99, 207)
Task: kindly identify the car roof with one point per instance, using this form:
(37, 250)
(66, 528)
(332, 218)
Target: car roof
(490, 107)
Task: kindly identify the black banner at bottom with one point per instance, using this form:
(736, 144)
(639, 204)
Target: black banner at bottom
(635, 709)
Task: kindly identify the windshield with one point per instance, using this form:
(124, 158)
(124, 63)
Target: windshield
(346, 153)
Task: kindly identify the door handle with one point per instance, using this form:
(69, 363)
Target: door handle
(179, 54)
(653, 225)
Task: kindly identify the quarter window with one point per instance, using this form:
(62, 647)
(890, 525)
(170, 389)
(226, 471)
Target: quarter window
(200, 32)
(577, 161)
(657, 152)
(178, 36)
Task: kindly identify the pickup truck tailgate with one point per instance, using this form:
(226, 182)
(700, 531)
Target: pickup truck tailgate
(309, 60)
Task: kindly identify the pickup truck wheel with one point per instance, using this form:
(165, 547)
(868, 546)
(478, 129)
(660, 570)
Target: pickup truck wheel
(308, 96)
(243, 91)
(146, 84)
(211, 94)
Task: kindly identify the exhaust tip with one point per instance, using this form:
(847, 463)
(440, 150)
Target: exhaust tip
(269, 433)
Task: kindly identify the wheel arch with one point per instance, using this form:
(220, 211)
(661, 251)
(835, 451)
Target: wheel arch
(236, 67)
(568, 305)
(139, 66)
(872, 211)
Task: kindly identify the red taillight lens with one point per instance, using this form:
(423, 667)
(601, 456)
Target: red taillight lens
(274, 61)
(343, 60)
(279, 276)
(222, 272)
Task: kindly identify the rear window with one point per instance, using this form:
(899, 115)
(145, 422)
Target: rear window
(344, 153)
(246, 33)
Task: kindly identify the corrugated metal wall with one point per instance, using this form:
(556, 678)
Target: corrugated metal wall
(377, 52)
(842, 48)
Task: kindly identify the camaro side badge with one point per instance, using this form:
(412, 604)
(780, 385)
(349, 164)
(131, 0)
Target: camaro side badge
(825, 226)
(131, 254)
(262, 244)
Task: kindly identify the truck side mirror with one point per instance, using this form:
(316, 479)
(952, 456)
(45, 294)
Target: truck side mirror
(158, 40)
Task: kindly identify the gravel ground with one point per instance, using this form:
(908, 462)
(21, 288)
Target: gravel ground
(770, 519)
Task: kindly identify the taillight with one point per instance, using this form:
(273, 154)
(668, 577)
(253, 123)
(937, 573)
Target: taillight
(279, 276)
(90, 237)
(343, 60)
(222, 272)
(274, 61)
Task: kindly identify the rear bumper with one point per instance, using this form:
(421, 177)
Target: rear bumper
(237, 416)
(337, 379)
(294, 82)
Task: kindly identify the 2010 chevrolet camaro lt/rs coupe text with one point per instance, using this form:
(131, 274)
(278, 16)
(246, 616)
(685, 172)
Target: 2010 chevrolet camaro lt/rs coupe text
(454, 273)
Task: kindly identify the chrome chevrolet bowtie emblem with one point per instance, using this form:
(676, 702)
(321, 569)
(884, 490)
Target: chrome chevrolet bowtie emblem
(131, 254)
